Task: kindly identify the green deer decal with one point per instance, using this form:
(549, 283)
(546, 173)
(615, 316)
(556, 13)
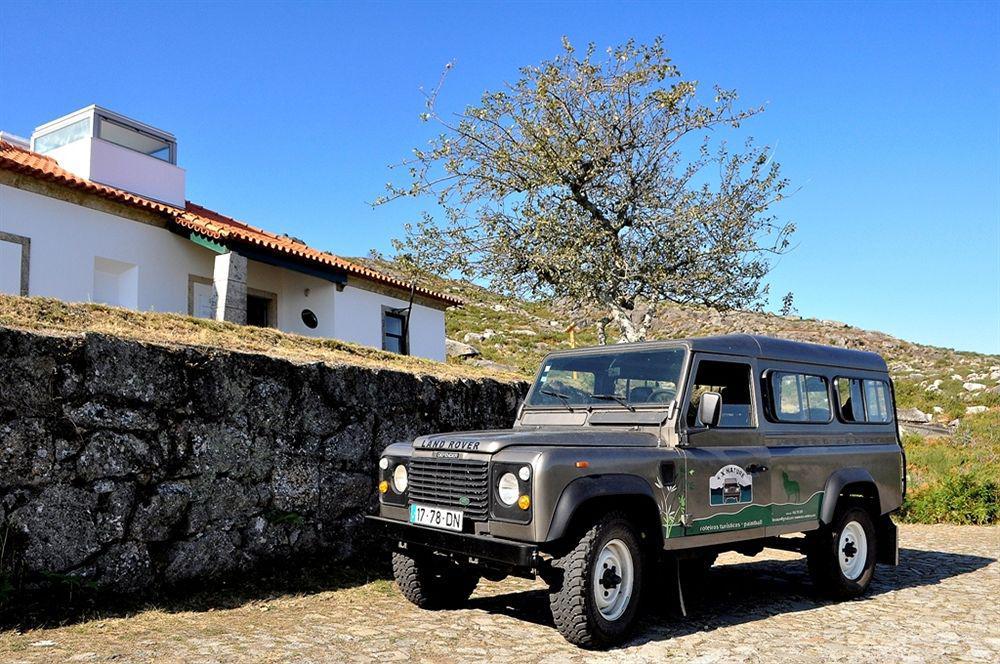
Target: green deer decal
(792, 490)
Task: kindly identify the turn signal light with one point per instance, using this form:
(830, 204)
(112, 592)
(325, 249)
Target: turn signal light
(524, 502)
(583, 464)
(383, 486)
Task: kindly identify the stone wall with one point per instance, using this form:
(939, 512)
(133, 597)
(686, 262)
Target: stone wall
(131, 467)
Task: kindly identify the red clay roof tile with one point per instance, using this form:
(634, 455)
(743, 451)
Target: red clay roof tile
(202, 220)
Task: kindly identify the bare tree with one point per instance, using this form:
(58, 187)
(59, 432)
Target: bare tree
(600, 179)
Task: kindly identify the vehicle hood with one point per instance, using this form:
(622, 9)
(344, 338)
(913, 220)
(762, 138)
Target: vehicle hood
(496, 440)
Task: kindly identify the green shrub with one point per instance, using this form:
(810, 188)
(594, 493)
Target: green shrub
(965, 498)
(955, 479)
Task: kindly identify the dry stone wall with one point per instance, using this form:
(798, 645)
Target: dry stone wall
(131, 467)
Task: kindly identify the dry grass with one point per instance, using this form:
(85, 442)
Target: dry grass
(51, 316)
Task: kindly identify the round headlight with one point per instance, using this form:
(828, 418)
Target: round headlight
(383, 463)
(507, 489)
(524, 472)
(399, 480)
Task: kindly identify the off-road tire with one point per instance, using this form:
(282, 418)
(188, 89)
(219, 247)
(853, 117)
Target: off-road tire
(823, 556)
(432, 584)
(571, 597)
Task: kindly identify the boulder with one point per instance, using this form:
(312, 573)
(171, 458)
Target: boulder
(975, 410)
(58, 527)
(973, 387)
(913, 415)
(458, 349)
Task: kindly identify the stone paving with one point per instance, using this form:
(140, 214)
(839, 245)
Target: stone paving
(940, 604)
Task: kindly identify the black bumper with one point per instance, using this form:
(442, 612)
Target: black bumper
(505, 552)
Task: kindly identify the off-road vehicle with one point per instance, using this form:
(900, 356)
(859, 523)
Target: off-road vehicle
(625, 458)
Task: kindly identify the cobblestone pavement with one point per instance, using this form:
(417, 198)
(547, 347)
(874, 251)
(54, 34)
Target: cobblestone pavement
(940, 604)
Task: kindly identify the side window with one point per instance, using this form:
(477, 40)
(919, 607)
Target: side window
(799, 397)
(862, 401)
(733, 382)
(849, 400)
(877, 401)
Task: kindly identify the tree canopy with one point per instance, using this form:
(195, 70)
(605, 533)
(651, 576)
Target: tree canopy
(600, 178)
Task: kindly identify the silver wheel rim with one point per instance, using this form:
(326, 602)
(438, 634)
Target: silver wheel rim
(614, 575)
(852, 550)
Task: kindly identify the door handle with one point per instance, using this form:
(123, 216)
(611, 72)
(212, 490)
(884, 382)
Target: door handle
(755, 468)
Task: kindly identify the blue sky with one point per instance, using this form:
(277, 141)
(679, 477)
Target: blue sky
(885, 116)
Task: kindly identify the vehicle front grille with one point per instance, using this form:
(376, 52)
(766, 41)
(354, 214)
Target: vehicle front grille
(459, 483)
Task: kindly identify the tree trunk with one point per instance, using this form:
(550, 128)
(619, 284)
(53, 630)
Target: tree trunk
(602, 331)
(632, 332)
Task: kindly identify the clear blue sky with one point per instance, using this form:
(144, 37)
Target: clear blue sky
(887, 116)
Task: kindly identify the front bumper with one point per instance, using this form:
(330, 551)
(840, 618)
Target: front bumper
(486, 549)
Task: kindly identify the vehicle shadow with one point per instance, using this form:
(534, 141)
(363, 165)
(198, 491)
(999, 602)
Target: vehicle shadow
(745, 592)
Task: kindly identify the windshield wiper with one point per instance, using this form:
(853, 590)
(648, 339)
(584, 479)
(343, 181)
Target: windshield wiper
(562, 397)
(614, 397)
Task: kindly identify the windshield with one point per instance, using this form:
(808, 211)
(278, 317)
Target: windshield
(616, 378)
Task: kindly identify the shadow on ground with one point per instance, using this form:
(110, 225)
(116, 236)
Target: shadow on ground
(65, 605)
(746, 592)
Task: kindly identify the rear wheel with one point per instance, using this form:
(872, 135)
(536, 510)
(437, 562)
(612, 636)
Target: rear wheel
(430, 583)
(594, 595)
(842, 557)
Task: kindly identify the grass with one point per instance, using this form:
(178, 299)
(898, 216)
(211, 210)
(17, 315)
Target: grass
(56, 317)
(955, 479)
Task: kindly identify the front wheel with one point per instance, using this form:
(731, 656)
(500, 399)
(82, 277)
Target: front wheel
(842, 557)
(432, 584)
(594, 595)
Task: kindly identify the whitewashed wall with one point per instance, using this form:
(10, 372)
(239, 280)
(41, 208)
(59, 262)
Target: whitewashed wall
(358, 315)
(68, 241)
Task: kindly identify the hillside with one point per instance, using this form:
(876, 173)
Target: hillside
(518, 334)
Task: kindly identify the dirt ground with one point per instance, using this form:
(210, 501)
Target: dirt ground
(940, 604)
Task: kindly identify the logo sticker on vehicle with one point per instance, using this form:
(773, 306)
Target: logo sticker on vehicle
(731, 485)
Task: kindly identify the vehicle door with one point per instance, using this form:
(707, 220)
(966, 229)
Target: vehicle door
(805, 442)
(726, 496)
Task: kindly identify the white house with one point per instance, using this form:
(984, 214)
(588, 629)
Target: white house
(93, 210)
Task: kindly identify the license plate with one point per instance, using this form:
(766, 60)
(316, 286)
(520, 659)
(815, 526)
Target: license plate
(436, 517)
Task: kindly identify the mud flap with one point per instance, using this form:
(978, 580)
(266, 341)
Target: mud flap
(886, 542)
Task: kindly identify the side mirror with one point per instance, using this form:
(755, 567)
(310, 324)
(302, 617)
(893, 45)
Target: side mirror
(710, 408)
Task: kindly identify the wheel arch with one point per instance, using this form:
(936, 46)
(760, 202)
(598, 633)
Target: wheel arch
(854, 483)
(587, 497)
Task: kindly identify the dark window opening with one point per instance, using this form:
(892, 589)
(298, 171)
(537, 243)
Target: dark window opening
(394, 332)
(730, 380)
(309, 319)
(258, 311)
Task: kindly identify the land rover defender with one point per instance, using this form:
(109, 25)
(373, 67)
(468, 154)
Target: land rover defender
(626, 458)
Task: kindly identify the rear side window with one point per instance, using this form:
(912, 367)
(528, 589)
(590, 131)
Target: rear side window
(799, 397)
(876, 401)
(849, 400)
(863, 400)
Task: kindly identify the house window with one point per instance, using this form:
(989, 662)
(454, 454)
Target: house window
(116, 283)
(15, 251)
(394, 332)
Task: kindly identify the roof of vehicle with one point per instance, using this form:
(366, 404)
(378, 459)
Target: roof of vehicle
(785, 350)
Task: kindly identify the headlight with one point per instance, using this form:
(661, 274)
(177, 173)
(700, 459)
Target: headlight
(399, 480)
(524, 473)
(507, 489)
(383, 463)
